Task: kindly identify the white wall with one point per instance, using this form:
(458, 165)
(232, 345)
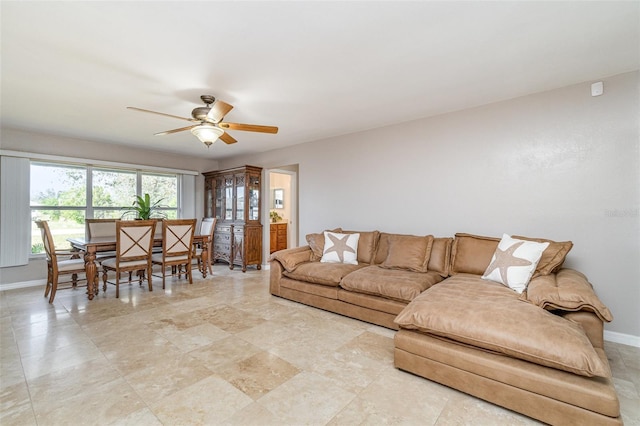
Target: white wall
(560, 164)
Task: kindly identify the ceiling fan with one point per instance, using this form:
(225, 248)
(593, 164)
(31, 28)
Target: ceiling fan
(210, 126)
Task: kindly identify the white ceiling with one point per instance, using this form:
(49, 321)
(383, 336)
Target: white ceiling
(315, 69)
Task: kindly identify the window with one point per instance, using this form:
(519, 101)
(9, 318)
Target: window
(65, 194)
(58, 194)
(111, 191)
(164, 188)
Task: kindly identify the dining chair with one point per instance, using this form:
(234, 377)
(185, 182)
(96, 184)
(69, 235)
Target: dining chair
(177, 251)
(207, 227)
(134, 242)
(158, 235)
(56, 266)
(101, 228)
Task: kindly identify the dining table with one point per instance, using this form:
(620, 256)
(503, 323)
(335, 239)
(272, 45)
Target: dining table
(94, 245)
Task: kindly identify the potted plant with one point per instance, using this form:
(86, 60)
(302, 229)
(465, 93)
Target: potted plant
(275, 217)
(144, 208)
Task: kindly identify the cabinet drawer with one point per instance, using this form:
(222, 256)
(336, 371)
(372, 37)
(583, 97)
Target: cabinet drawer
(220, 238)
(223, 228)
(222, 248)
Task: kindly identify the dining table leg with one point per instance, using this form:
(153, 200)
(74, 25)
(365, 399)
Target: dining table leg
(204, 260)
(90, 271)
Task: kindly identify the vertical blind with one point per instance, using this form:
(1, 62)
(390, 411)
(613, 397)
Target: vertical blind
(15, 226)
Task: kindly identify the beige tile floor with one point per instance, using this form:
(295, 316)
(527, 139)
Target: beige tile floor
(223, 351)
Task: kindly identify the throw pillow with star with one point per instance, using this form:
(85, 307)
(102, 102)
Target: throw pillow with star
(514, 262)
(340, 248)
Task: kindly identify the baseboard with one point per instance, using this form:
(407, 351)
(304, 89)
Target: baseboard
(625, 339)
(23, 284)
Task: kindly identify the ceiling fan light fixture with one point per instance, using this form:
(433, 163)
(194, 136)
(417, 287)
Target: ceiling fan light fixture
(207, 133)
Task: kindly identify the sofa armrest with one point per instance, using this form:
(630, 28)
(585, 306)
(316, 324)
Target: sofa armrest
(275, 274)
(590, 323)
(569, 291)
(288, 260)
(291, 258)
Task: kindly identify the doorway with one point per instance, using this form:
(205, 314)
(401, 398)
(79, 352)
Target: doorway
(282, 207)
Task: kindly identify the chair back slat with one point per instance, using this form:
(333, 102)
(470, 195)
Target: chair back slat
(134, 239)
(177, 237)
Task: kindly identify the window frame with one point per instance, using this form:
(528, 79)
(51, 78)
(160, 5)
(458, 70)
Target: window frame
(88, 208)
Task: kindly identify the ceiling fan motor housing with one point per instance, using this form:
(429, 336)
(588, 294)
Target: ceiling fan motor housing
(200, 113)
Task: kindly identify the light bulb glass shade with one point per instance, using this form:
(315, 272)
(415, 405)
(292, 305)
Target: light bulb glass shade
(207, 133)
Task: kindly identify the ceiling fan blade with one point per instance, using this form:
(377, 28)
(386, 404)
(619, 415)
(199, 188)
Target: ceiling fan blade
(218, 110)
(182, 129)
(161, 113)
(227, 138)
(249, 127)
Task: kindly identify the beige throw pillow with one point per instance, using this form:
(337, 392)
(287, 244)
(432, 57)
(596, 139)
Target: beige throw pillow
(408, 252)
(552, 258)
(471, 254)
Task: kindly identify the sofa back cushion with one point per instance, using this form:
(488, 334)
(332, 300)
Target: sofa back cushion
(552, 258)
(440, 255)
(408, 252)
(367, 245)
(471, 254)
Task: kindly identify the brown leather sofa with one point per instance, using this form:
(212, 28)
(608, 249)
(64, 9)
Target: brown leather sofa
(539, 353)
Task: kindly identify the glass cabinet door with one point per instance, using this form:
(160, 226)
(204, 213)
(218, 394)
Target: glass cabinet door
(208, 202)
(228, 198)
(218, 207)
(254, 198)
(240, 197)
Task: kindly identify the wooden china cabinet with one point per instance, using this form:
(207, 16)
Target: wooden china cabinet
(233, 196)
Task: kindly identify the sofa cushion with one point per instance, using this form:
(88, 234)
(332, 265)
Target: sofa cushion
(568, 290)
(330, 292)
(514, 262)
(316, 242)
(367, 245)
(552, 258)
(340, 248)
(383, 248)
(396, 284)
(488, 315)
(369, 301)
(322, 273)
(408, 252)
(440, 255)
(471, 254)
